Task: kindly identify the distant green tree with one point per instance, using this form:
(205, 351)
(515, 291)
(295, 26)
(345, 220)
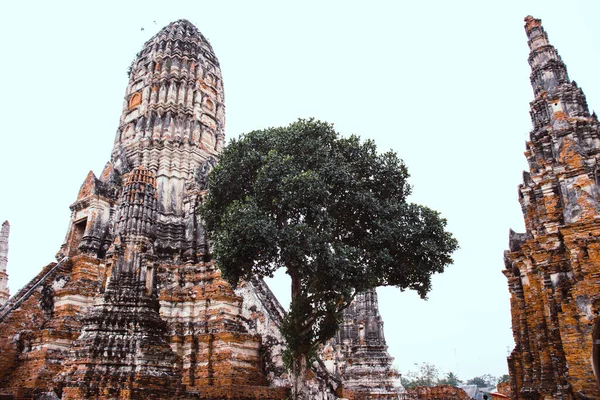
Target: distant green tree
(406, 382)
(483, 381)
(504, 378)
(450, 379)
(332, 212)
(426, 375)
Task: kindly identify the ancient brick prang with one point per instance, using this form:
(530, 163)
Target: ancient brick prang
(553, 269)
(358, 353)
(4, 291)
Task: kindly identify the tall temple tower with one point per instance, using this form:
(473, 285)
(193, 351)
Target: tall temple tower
(4, 290)
(553, 269)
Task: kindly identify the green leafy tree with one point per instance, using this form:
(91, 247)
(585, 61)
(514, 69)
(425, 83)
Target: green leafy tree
(427, 375)
(332, 211)
(504, 378)
(450, 379)
(406, 382)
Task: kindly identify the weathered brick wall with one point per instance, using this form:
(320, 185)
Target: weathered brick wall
(505, 389)
(26, 359)
(442, 392)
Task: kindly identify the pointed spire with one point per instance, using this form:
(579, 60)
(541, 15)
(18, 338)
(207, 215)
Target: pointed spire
(171, 39)
(547, 68)
(556, 97)
(363, 360)
(88, 187)
(560, 186)
(4, 291)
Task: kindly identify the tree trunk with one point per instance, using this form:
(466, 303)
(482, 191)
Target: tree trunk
(299, 355)
(299, 369)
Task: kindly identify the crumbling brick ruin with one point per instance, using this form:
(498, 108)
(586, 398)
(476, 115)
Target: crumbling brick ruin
(553, 269)
(135, 308)
(441, 392)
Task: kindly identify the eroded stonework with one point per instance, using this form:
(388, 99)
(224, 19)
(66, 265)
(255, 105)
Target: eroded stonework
(136, 307)
(553, 269)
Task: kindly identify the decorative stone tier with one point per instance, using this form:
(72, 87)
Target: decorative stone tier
(206, 329)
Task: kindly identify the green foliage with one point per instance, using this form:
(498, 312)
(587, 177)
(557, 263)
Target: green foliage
(332, 211)
(486, 380)
(407, 383)
(426, 375)
(450, 379)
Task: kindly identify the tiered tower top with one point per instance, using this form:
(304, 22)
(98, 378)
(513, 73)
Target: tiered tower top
(556, 96)
(547, 68)
(173, 124)
(174, 98)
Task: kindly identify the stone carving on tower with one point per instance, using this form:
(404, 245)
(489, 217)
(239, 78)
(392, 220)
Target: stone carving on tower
(553, 268)
(135, 307)
(4, 290)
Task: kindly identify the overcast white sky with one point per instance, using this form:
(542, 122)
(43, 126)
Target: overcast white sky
(444, 84)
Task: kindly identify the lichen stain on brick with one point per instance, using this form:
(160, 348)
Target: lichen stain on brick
(560, 115)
